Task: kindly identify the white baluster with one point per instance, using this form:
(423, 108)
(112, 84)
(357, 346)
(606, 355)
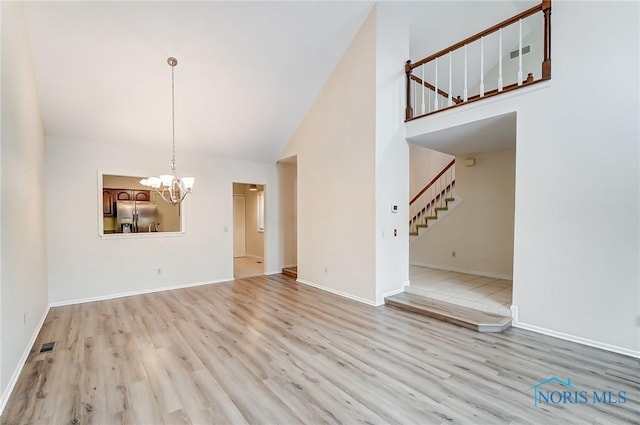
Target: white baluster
(450, 101)
(465, 93)
(481, 66)
(423, 106)
(453, 176)
(435, 98)
(444, 176)
(446, 185)
(520, 54)
(415, 99)
(500, 87)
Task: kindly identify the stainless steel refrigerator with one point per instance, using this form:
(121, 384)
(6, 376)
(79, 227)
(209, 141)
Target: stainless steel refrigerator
(136, 217)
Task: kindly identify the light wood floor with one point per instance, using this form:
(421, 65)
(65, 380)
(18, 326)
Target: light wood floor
(268, 350)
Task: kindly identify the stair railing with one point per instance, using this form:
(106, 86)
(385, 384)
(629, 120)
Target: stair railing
(484, 64)
(433, 195)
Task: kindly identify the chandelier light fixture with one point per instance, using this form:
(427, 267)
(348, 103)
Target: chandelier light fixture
(169, 186)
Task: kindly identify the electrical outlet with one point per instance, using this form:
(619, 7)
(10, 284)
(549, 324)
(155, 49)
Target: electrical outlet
(453, 253)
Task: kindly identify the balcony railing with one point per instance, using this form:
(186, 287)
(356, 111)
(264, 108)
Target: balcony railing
(511, 54)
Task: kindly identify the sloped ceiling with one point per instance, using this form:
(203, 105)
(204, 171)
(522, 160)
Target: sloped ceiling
(247, 71)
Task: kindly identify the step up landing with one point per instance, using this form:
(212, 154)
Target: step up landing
(451, 313)
(291, 272)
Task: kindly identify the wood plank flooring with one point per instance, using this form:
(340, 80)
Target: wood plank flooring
(266, 350)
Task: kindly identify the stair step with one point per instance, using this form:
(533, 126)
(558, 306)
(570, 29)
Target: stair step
(451, 313)
(290, 271)
(421, 225)
(413, 233)
(449, 199)
(441, 208)
(432, 217)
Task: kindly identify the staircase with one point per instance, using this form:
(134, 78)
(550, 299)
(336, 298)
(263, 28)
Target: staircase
(432, 201)
(431, 213)
(462, 316)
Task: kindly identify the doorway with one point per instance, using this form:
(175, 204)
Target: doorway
(248, 230)
(462, 253)
(288, 178)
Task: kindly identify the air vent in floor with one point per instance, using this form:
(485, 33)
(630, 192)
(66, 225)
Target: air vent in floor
(47, 346)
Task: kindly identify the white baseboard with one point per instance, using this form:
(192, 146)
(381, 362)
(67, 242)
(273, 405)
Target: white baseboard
(400, 290)
(573, 338)
(140, 292)
(273, 272)
(336, 292)
(23, 359)
(461, 270)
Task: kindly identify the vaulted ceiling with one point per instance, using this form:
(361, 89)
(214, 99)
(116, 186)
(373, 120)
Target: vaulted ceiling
(247, 71)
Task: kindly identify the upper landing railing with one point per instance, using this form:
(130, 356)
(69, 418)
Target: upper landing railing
(502, 58)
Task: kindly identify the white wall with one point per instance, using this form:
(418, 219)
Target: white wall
(531, 62)
(424, 165)
(577, 243)
(24, 282)
(391, 154)
(335, 148)
(82, 265)
(480, 229)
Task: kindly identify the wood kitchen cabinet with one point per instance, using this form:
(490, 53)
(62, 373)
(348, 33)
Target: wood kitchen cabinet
(111, 196)
(108, 201)
(132, 195)
(123, 195)
(141, 195)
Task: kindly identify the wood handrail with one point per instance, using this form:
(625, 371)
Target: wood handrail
(433, 88)
(544, 5)
(546, 63)
(490, 93)
(424, 189)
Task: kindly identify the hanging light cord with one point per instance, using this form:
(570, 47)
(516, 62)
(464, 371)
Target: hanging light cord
(173, 122)
(173, 191)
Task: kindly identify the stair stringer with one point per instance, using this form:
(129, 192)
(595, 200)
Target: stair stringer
(431, 223)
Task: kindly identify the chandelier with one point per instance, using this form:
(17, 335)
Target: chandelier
(169, 186)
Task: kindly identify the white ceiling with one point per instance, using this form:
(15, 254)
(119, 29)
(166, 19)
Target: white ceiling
(247, 71)
(486, 135)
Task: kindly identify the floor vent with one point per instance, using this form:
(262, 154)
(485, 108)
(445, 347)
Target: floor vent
(47, 346)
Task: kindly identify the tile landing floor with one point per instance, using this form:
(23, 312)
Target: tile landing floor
(247, 267)
(482, 293)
